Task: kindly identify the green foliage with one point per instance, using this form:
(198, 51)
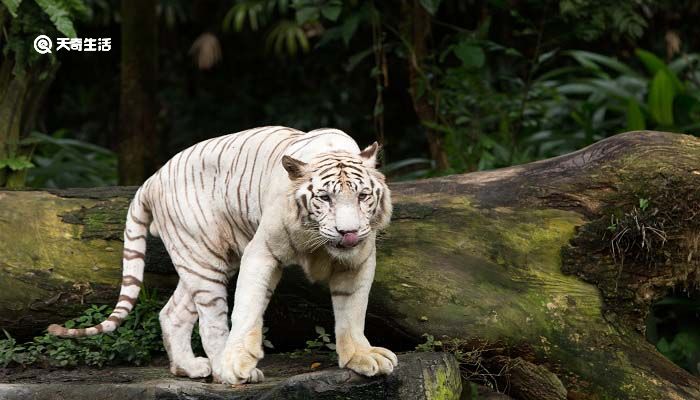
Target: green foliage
(683, 349)
(286, 35)
(16, 163)
(293, 22)
(430, 344)
(409, 168)
(323, 340)
(320, 344)
(592, 18)
(674, 328)
(492, 117)
(12, 353)
(31, 18)
(62, 13)
(643, 204)
(12, 6)
(628, 99)
(134, 342)
(63, 162)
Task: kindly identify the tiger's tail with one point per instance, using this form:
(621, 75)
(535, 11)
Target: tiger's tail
(137, 222)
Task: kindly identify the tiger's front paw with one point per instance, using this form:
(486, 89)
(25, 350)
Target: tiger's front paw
(231, 377)
(239, 362)
(373, 361)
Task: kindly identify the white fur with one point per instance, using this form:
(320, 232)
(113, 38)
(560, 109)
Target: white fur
(229, 202)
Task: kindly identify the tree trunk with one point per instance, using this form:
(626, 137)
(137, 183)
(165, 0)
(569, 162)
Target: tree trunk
(137, 105)
(511, 269)
(416, 27)
(21, 97)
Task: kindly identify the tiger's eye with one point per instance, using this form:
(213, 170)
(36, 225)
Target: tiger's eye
(363, 196)
(325, 197)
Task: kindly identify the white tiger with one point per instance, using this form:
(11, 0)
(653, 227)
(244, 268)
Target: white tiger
(228, 202)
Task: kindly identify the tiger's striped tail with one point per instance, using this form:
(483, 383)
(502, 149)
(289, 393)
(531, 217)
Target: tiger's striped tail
(137, 221)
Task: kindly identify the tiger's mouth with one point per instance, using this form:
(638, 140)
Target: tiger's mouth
(346, 242)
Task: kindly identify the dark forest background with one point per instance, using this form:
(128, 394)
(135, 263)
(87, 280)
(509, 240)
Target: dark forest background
(447, 86)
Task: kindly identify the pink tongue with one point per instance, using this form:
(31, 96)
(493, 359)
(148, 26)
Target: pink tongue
(349, 240)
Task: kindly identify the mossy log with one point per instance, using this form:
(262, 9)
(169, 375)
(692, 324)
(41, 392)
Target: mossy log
(512, 268)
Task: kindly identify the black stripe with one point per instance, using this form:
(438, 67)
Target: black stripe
(138, 221)
(304, 202)
(129, 237)
(195, 273)
(129, 299)
(130, 280)
(199, 291)
(213, 301)
(133, 254)
(342, 293)
(314, 137)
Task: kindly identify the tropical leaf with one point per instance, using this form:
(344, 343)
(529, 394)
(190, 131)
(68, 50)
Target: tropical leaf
(332, 10)
(12, 6)
(594, 61)
(654, 64)
(253, 10)
(349, 28)
(471, 56)
(681, 63)
(287, 34)
(635, 117)
(60, 15)
(661, 96)
(16, 163)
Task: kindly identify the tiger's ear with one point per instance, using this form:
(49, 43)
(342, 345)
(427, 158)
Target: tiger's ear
(295, 168)
(369, 154)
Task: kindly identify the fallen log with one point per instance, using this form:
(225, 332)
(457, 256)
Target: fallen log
(527, 267)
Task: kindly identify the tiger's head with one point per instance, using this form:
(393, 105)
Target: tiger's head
(341, 197)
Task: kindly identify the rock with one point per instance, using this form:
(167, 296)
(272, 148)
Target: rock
(419, 376)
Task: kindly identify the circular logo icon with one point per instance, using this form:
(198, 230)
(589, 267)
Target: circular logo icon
(42, 44)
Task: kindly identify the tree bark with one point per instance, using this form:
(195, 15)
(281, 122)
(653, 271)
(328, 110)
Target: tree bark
(511, 269)
(137, 105)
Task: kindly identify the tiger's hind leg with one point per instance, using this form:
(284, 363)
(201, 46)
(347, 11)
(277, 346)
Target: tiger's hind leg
(177, 320)
(205, 284)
